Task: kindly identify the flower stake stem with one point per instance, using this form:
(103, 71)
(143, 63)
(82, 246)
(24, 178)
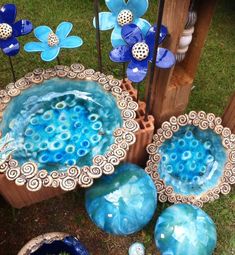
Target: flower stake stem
(152, 71)
(98, 43)
(12, 69)
(138, 92)
(58, 61)
(123, 72)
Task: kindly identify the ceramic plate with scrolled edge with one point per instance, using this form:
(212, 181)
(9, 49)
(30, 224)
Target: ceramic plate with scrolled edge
(34, 175)
(192, 159)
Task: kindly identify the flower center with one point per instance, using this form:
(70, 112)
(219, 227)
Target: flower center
(5, 31)
(125, 17)
(53, 39)
(140, 51)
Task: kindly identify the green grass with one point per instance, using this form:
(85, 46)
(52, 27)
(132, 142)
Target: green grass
(214, 83)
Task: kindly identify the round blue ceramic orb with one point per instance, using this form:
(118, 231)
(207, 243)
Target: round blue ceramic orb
(124, 202)
(184, 229)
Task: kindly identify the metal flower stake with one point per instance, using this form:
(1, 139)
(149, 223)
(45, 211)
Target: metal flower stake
(139, 51)
(155, 56)
(98, 42)
(10, 30)
(51, 43)
(121, 13)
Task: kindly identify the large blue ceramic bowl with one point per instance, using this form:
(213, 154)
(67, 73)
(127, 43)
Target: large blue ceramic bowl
(124, 202)
(69, 126)
(61, 123)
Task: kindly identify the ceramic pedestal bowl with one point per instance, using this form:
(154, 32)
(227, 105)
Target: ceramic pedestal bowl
(69, 125)
(192, 159)
(55, 243)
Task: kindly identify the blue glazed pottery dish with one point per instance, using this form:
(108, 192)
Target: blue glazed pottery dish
(54, 244)
(65, 126)
(191, 159)
(185, 229)
(124, 202)
(61, 123)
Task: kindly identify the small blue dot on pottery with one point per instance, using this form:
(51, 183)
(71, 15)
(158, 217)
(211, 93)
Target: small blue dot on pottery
(183, 229)
(124, 202)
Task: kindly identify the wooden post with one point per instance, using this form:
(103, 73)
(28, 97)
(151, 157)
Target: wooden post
(229, 115)
(172, 88)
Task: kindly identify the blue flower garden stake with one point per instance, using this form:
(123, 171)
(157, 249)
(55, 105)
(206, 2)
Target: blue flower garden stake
(10, 30)
(122, 13)
(50, 43)
(139, 51)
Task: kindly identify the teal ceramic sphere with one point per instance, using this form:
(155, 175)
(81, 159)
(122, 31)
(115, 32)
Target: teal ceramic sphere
(124, 202)
(183, 229)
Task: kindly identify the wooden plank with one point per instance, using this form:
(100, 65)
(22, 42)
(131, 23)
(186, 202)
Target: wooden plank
(205, 11)
(172, 88)
(175, 16)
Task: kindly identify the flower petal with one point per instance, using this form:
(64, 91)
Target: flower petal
(121, 54)
(131, 34)
(8, 13)
(22, 27)
(143, 24)
(63, 30)
(165, 58)
(50, 54)
(138, 7)
(150, 37)
(115, 6)
(35, 46)
(137, 70)
(116, 37)
(107, 20)
(10, 47)
(71, 42)
(42, 33)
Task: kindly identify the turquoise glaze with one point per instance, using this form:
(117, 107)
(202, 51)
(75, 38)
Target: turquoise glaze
(192, 161)
(184, 229)
(61, 123)
(51, 43)
(124, 202)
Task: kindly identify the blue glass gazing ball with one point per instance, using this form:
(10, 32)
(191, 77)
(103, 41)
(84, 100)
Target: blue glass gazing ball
(124, 202)
(184, 229)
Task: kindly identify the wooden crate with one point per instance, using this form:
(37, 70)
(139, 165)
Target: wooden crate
(19, 196)
(172, 88)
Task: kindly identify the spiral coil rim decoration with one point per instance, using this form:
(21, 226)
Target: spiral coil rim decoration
(168, 128)
(28, 173)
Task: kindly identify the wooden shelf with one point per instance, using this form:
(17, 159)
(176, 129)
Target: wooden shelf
(172, 88)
